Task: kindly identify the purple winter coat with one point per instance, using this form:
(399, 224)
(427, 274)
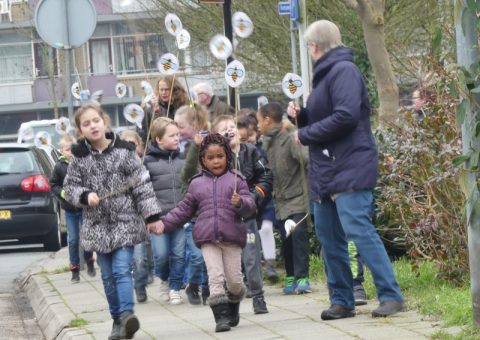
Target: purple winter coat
(218, 220)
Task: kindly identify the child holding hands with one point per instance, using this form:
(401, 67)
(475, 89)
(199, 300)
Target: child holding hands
(221, 198)
(107, 179)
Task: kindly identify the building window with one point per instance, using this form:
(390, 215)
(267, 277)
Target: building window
(46, 63)
(100, 56)
(16, 62)
(139, 53)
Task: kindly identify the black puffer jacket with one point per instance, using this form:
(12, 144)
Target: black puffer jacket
(258, 175)
(56, 181)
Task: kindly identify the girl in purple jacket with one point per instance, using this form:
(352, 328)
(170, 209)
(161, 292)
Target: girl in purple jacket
(221, 199)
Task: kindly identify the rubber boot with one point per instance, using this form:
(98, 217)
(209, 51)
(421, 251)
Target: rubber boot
(221, 312)
(272, 274)
(234, 305)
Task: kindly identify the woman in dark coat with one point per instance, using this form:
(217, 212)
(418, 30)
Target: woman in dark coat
(343, 171)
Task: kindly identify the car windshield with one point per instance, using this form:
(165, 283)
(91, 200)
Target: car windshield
(17, 161)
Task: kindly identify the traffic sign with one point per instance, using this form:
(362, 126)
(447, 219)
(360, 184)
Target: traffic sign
(65, 23)
(284, 8)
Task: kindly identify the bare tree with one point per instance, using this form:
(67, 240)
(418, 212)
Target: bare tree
(371, 13)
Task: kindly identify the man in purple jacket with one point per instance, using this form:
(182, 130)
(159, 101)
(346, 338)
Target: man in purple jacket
(343, 170)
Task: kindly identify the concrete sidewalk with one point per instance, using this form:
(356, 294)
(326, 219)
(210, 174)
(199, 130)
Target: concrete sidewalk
(59, 305)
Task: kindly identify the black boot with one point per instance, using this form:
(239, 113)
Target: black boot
(205, 294)
(234, 306)
(116, 333)
(129, 324)
(221, 312)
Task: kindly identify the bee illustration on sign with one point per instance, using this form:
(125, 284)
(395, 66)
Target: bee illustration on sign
(120, 90)
(183, 39)
(76, 90)
(221, 47)
(242, 24)
(173, 24)
(134, 113)
(234, 73)
(42, 138)
(168, 64)
(292, 85)
(62, 127)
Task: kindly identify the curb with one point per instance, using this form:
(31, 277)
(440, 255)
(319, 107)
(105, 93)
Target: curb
(49, 308)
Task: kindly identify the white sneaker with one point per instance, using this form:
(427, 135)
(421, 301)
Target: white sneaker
(175, 298)
(164, 289)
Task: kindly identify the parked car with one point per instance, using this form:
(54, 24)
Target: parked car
(28, 211)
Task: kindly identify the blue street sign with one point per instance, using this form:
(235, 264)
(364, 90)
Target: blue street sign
(284, 8)
(294, 10)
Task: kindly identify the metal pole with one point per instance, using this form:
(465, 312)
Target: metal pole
(68, 80)
(467, 55)
(227, 23)
(68, 69)
(304, 57)
(293, 46)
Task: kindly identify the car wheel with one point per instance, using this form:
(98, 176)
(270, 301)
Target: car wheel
(53, 239)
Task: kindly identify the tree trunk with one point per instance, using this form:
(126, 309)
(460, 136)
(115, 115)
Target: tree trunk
(371, 15)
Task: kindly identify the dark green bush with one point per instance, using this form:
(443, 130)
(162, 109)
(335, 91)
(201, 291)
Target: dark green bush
(419, 200)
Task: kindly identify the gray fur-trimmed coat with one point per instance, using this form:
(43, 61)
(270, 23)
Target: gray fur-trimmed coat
(119, 219)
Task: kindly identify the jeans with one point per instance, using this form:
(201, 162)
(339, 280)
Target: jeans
(251, 259)
(195, 269)
(140, 265)
(169, 257)
(296, 248)
(117, 279)
(73, 221)
(348, 218)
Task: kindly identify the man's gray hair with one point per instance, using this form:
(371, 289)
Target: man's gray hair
(325, 34)
(203, 87)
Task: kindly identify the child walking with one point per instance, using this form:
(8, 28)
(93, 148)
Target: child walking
(221, 198)
(164, 162)
(73, 215)
(107, 179)
(288, 161)
(259, 179)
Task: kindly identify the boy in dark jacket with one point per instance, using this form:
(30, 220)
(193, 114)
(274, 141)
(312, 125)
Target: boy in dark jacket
(290, 194)
(73, 215)
(247, 161)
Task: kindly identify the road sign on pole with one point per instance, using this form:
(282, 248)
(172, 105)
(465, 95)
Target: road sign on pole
(294, 10)
(284, 8)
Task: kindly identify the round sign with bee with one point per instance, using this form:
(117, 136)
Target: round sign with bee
(76, 90)
(173, 24)
(42, 138)
(292, 85)
(62, 127)
(147, 91)
(133, 113)
(242, 25)
(234, 73)
(183, 39)
(168, 64)
(120, 90)
(221, 47)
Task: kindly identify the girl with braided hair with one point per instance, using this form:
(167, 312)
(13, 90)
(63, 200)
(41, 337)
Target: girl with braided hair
(221, 199)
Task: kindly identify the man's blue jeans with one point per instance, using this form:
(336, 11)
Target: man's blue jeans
(117, 279)
(73, 221)
(348, 218)
(169, 257)
(195, 269)
(140, 265)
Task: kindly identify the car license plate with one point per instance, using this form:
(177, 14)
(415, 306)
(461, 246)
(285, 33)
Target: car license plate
(5, 214)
